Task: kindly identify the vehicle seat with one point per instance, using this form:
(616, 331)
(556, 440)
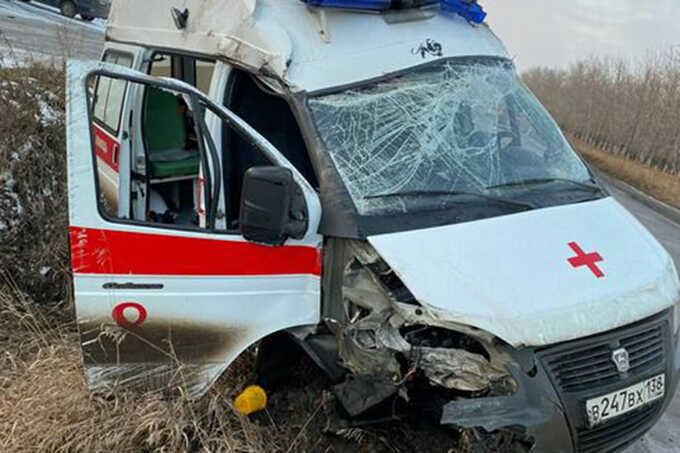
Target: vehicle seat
(166, 135)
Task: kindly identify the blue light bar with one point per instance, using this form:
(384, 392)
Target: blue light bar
(469, 9)
(368, 5)
(371, 5)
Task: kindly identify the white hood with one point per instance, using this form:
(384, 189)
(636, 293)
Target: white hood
(511, 275)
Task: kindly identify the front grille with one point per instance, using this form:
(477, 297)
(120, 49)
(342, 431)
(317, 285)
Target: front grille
(583, 368)
(619, 432)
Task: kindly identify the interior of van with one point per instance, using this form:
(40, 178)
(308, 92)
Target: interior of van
(165, 166)
(272, 117)
(173, 158)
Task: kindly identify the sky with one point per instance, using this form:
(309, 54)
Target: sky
(555, 33)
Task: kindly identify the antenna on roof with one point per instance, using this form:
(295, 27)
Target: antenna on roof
(180, 17)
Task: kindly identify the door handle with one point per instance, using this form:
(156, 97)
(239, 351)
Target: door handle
(112, 285)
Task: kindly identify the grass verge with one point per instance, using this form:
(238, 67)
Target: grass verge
(662, 186)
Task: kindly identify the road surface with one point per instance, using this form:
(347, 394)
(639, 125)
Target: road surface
(665, 436)
(38, 30)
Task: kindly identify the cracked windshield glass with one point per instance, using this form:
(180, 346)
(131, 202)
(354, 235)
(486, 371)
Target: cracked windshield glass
(455, 128)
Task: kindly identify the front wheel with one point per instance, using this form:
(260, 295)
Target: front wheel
(87, 18)
(68, 9)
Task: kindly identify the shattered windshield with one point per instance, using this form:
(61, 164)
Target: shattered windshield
(455, 127)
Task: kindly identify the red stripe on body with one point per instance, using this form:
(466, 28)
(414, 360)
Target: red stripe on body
(106, 147)
(117, 252)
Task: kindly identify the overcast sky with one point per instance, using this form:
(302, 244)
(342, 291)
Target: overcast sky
(557, 32)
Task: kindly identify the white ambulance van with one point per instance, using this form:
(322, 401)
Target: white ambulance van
(370, 181)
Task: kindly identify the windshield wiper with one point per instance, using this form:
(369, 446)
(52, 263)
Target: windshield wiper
(415, 193)
(523, 182)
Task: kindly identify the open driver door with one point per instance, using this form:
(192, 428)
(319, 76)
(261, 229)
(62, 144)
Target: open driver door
(168, 299)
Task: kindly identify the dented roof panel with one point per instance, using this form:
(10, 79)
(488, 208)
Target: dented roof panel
(311, 49)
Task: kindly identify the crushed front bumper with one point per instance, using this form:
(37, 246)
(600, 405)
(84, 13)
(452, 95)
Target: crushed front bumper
(555, 382)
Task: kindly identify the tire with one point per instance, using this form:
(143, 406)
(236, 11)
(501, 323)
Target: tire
(87, 18)
(68, 9)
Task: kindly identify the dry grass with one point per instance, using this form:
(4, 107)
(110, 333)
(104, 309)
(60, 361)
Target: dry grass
(45, 405)
(660, 185)
(33, 198)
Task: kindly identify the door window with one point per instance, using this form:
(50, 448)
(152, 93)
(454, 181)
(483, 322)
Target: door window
(110, 94)
(197, 72)
(175, 175)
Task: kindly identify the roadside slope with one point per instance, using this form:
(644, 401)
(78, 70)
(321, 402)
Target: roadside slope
(662, 186)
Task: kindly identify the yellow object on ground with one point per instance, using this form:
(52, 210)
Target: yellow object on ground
(251, 400)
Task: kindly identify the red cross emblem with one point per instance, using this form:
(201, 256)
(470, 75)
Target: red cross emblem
(586, 259)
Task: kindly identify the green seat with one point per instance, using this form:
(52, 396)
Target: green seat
(166, 134)
(167, 169)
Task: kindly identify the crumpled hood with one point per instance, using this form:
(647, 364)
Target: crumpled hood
(512, 276)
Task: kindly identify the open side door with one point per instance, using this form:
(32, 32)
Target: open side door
(170, 299)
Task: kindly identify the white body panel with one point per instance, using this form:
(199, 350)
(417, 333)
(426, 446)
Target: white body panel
(242, 309)
(310, 49)
(510, 275)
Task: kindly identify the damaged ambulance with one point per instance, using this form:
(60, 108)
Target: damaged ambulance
(371, 181)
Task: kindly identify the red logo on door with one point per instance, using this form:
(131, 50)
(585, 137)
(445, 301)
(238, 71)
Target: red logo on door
(586, 259)
(118, 314)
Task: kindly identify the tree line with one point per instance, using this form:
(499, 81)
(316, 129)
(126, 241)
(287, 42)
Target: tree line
(624, 107)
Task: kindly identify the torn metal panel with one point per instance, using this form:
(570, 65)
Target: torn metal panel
(308, 48)
(449, 367)
(383, 358)
(362, 351)
(225, 28)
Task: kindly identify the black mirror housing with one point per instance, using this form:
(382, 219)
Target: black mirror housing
(273, 206)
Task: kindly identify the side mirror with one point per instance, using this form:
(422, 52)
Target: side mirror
(273, 207)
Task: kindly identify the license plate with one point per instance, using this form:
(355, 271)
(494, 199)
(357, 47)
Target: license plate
(625, 400)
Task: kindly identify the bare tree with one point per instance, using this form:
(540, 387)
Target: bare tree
(623, 107)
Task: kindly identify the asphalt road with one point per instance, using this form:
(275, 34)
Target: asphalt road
(35, 31)
(665, 436)
(31, 29)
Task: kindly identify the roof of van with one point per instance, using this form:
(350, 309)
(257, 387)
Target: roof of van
(310, 49)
